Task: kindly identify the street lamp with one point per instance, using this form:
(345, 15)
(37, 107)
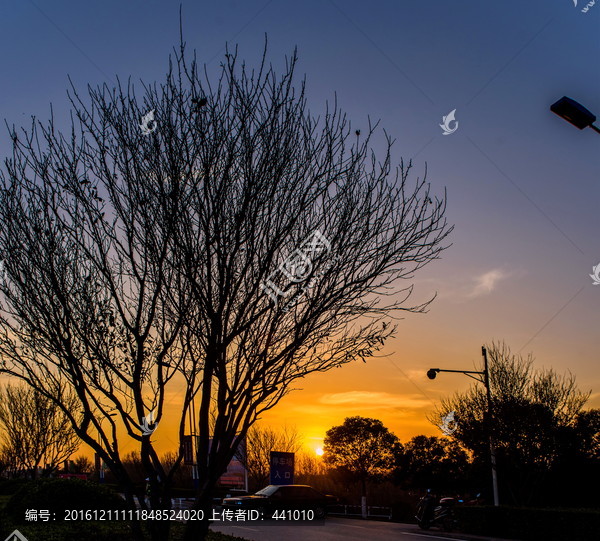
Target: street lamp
(482, 377)
(575, 113)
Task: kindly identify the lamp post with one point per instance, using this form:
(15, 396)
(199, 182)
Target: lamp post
(575, 113)
(482, 377)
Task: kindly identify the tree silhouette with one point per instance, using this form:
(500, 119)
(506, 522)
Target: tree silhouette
(82, 464)
(530, 410)
(362, 447)
(430, 462)
(35, 431)
(215, 242)
(260, 441)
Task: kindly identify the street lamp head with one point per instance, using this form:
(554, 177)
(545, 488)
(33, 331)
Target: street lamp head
(432, 373)
(573, 112)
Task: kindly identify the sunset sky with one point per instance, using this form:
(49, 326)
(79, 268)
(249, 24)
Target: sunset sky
(523, 185)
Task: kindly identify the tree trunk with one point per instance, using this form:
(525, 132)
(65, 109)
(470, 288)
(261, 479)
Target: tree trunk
(159, 529)
(197, 530)
(136, 528)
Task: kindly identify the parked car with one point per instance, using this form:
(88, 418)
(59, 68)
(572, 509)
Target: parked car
(275, 498)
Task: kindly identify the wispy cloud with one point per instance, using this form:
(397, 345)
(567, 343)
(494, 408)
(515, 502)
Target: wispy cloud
(487, 282)
(463, 287)
(373, 400)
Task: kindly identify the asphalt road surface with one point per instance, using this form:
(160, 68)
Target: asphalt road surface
(337, 529)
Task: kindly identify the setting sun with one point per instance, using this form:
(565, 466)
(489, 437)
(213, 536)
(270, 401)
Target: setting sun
(319, 451)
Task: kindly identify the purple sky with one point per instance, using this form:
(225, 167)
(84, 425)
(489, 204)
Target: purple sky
(523, 185)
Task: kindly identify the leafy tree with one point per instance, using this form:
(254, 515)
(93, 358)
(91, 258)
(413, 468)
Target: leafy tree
(568, 483)
(530, 410)
(587, 434)
(82, 464)
(210, 240)
(35, 431)
(363, 447)
(431, 462)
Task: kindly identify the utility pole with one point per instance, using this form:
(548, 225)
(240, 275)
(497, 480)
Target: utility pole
(489, 425)
(481, 377)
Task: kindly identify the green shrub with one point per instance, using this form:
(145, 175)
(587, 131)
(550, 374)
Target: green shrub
(58, 495)
(530, 524)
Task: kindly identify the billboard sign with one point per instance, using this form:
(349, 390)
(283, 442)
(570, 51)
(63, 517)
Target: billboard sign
(235, 475)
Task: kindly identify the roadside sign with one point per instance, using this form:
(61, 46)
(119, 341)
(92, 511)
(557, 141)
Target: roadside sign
(282, 468)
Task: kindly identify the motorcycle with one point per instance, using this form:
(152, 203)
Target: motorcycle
(430, 512)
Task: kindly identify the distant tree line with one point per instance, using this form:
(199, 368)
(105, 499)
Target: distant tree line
(547, 444)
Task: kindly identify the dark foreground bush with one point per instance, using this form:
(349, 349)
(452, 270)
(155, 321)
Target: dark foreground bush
(530, 524)
(115, 531)
(71, 532)
(59, 495)
(9, 486)
(56, 495)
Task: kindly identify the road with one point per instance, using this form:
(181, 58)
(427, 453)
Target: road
(337, 529)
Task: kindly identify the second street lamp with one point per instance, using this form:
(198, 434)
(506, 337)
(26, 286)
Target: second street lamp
(484, 377)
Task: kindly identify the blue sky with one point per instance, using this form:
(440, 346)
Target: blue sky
(523, 185)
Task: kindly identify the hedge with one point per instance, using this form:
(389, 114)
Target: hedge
(9, 486)
(58, 495)
(530, 524)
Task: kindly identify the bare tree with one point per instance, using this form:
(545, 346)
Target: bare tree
(183, 476)
(35, 432)
(260, 441)
(132, 462)
(216, 242)
(8, 461)
(309, 469)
